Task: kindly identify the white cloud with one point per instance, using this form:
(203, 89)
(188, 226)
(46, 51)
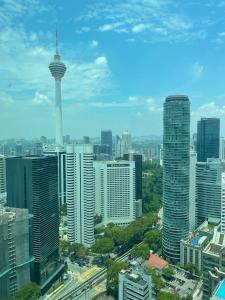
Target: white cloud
(94, 44)
(40, 99)
(101, 60)
(197, 70)
(157, 20)
(132, 99)
(139, 27)
(210, 109)
(152, 105)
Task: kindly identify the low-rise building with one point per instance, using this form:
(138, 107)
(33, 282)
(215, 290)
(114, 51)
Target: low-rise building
(191, 248)
(213, 263)
(134, 285)
(156, 262)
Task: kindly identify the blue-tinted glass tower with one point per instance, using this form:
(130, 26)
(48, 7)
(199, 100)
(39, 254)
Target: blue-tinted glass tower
(208, 139)
(176, 146)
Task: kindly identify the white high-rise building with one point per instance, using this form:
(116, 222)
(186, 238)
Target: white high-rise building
(126, 142)
(2, 180)
(192, 194)
(60, 152)
(115, 198)
(80, 194)
(223, 203)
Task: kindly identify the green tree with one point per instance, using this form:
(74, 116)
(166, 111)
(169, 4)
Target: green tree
(113, 269)
(157, 281)
(141, 251)
(63, 210)
(153, 239)
(31, 291)
(97, 219)
(168, 272)
(103, 246)
(64, 247)
(167, 296)
(78, 251)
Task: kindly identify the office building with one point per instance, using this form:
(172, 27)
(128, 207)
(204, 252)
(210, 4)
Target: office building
(222, 148)
(137, 158)
(213, 263)
(106, 139)
(86, 140)
(32, 183)
(134, 285)
(192, 247)
(80, 194)
(115, 198)
(176, 168)
(192, 193)
(15, 259)
(101, 152)
(208, 138)
(58, 69)
(60, 153)
(2, 180)
(223, 202)
(126, 142)
(208, 190)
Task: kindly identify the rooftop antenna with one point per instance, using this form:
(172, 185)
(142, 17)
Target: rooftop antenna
(56, 41)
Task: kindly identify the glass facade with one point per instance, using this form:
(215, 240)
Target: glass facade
(176, 145)
(208, 138)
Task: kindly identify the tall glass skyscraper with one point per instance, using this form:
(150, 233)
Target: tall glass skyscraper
(176, 147)
(106, 139)
(208, 139)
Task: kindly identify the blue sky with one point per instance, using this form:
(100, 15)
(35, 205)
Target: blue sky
(123, 58)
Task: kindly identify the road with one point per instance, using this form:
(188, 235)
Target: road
(84, 290)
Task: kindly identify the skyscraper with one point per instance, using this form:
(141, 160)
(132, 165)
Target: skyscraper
(106, 139)
(58, 69)
(208, 138)
(14, 244)
(192, 190)
(223, 203)
(2, 180)
(208, 190)
(126, 142)
(115, 191)
(80, 194)
(32, 183)
(176, 147)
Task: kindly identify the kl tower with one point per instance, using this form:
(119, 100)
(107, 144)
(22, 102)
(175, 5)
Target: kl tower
(58, 69)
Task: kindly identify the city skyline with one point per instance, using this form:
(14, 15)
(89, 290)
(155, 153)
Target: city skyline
(122, 58)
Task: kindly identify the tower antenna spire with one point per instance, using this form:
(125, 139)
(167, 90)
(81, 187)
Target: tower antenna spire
(56, 40)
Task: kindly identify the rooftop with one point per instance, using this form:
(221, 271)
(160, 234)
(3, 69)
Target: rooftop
(156, 262)
(177, 97)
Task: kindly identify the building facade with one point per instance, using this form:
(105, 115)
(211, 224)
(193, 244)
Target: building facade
(134, 285)
(32, 183)
(137, 158)
(106, 139)
(2, 180)
(208, 138)
(223, 202)
(208, 190)
(80, 194)
(60, 153)
(213, 264)
(15, 259)
(115, 198)
(176, 163)
(192, 191)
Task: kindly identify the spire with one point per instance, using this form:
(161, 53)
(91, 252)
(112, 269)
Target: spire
(56, 41)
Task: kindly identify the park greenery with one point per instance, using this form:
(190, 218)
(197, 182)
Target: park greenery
(167, 296)
(31, 291)
(74, 251)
